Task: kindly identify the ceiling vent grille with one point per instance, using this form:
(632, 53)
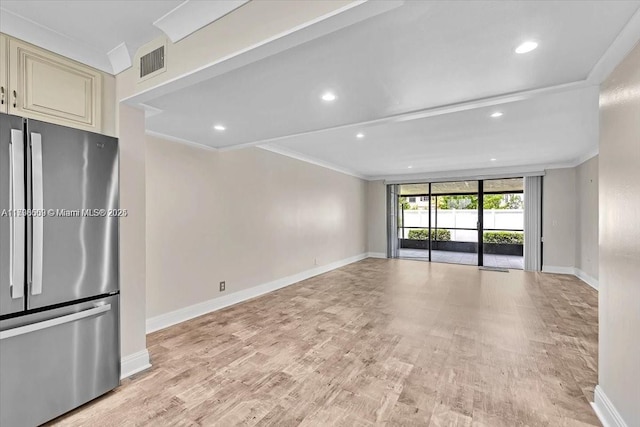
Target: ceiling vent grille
(152, 62)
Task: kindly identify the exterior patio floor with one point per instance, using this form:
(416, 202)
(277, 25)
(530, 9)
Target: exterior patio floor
(490, 260)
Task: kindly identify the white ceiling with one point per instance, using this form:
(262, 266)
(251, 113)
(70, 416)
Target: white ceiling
(418, 57)
(89, 30)
(419, 78)
(545, 130)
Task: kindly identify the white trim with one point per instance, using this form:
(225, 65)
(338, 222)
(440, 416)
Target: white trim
(308, 159)
(558, 270)
(617, 51)
(589, 280)
(572, 271)
(150, 111)
(376, 255)
(587, 156)
(604, 409)
(162, 321)
(120, 58)
(134, 363)
(459, 175)
(178, 140)
(189, 16)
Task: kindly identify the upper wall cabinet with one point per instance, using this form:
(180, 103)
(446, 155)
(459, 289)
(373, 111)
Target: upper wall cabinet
(52, 88)
(4, 83)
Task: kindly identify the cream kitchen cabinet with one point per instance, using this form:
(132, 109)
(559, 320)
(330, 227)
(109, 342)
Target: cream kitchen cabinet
(4, 74)
(49, 87)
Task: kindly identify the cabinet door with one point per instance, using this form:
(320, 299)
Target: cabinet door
(49, 87)
(4, 72)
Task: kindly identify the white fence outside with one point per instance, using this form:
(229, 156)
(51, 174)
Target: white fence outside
(508, 219)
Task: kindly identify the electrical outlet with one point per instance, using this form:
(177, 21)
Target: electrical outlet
(223, 286)
(315, 261)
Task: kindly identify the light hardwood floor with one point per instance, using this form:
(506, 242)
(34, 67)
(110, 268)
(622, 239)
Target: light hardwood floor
(393, 342)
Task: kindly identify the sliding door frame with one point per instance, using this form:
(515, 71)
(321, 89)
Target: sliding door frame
(431, 226)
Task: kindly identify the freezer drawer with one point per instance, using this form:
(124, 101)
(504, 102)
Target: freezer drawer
(54, 361)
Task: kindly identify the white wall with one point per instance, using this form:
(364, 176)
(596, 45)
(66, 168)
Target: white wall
(619, 298)
(508, 219)
(247, 217)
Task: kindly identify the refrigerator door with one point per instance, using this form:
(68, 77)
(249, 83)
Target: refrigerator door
(73, 250)
(56, 360)
(12, 228)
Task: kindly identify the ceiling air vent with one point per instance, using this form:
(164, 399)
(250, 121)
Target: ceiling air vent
(152, 62)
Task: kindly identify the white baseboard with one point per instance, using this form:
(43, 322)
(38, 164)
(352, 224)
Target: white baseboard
(604, 409)
(376, 255)
(174, 317)
(589, 280)
(558, 270)
(134, 363)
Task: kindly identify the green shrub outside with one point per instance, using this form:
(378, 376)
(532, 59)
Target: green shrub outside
(505, 237)
(422, 234)
(508, 237)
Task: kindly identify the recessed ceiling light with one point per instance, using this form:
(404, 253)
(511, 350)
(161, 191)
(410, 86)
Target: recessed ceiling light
(409, 167)
(493, 160)
(219, 127)
(527, 46)
(360, 135)
(496, 114)
(328, 96)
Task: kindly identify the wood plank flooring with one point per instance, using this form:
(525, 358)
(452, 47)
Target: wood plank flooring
(378, 342)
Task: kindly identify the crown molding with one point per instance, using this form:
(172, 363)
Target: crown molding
(120, 58)
(179, 140)
(150, 111)
(31, 32)
(628, 37)
(189, 16)
(308, 159)
(462, 174)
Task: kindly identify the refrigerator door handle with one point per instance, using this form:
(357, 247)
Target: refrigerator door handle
(38, 215)
(21, 330)
(18, 214)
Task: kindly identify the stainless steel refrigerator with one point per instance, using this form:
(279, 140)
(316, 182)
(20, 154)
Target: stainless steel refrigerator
(59, 284)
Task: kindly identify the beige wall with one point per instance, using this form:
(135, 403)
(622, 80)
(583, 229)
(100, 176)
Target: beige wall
(587, 217)
(570, 220)
(109, 106)
(247, 217)
(619, 299)
(377, 217)
(132, 231)
(559, 218)
(258, 20)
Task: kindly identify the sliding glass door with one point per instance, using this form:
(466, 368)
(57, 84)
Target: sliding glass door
(454, 222)
(474, 222)
(503, 223)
